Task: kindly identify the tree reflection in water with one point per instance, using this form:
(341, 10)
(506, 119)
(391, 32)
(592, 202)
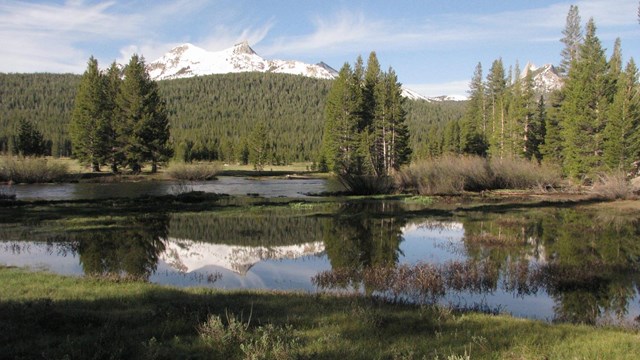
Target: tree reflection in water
(588, 263)
(129, 252)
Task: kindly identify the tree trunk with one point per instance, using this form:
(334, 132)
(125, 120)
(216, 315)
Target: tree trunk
(154, 167)
(95, 167)
(135, 168)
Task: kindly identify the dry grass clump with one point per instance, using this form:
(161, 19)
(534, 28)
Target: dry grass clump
(451, 174)
(193, 172)
(366, 185)
(512, 173)
(613, 186)
(33, 170)
(445, 175)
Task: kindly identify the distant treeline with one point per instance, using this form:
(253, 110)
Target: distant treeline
(211, 116)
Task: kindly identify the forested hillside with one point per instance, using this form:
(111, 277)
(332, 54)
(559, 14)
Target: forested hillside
(211, 116)
(44, 99)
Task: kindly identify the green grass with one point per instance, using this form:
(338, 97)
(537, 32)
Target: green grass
(50, 316)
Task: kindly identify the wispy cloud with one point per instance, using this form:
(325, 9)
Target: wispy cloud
(54, 36)
(225, 36)
(347, 29)
(45, 37)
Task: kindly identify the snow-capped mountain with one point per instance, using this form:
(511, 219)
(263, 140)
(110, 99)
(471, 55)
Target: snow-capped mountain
(188, 60)
(188, 255)
(545, 78)
(448, 98)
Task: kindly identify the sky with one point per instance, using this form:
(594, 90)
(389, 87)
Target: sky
(433, 46)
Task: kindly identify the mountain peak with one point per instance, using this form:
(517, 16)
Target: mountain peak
(243, 48)
(545, 78)
(188, 60)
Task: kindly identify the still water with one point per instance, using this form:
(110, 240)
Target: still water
(574, 265)
(224, 184)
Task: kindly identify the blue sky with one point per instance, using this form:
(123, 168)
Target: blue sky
(433, 46)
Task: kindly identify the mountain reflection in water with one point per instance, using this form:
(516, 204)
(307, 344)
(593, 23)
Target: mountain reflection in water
(555, 264)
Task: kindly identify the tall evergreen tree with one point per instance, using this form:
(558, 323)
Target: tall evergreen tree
(497, 94)
(366, 137)
(112, 81)
(143, 127)
(622, 132)
(552, 149)
(585, 106)
(571, 40)
(343, 115)
(473, 126)
(89, 126)
(390, 130)
(259, 146)
(536, 133)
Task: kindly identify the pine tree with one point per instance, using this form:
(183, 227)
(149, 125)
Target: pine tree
(343, 116)
(622, 132)
(366, 137)
(527, 135)
(390, 130)
(29, 141)
(143, 126)
(571, 40)
(89, 126)
(497, 94)
(259, 146)
(473, 127)
(552, 149)
(536, 133)
(112, 81)
(585, 106)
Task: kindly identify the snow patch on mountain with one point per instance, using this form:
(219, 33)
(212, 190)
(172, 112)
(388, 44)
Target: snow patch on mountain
(188, 60)
(545, 78)
(448, 98)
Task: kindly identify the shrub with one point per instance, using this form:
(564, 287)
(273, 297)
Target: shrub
(612, 186)
(513, 173)
(237, 340)
(366, 185)
(33, 170)
(193, 172)
(445, 175)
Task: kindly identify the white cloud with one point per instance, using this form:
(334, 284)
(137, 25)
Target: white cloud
(43, 37)
(53, 37)
(353, 30)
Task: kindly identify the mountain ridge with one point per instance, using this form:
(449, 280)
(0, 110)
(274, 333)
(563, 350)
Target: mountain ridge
(188, 60)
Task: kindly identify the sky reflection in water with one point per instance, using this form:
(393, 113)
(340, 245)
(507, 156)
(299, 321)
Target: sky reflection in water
(551, 264)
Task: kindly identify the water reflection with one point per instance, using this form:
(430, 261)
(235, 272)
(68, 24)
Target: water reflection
(268, 187)
(129, 253)
(557, 264)
(587, 263)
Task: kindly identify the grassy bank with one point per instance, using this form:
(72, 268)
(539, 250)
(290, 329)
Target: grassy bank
(50, 316)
